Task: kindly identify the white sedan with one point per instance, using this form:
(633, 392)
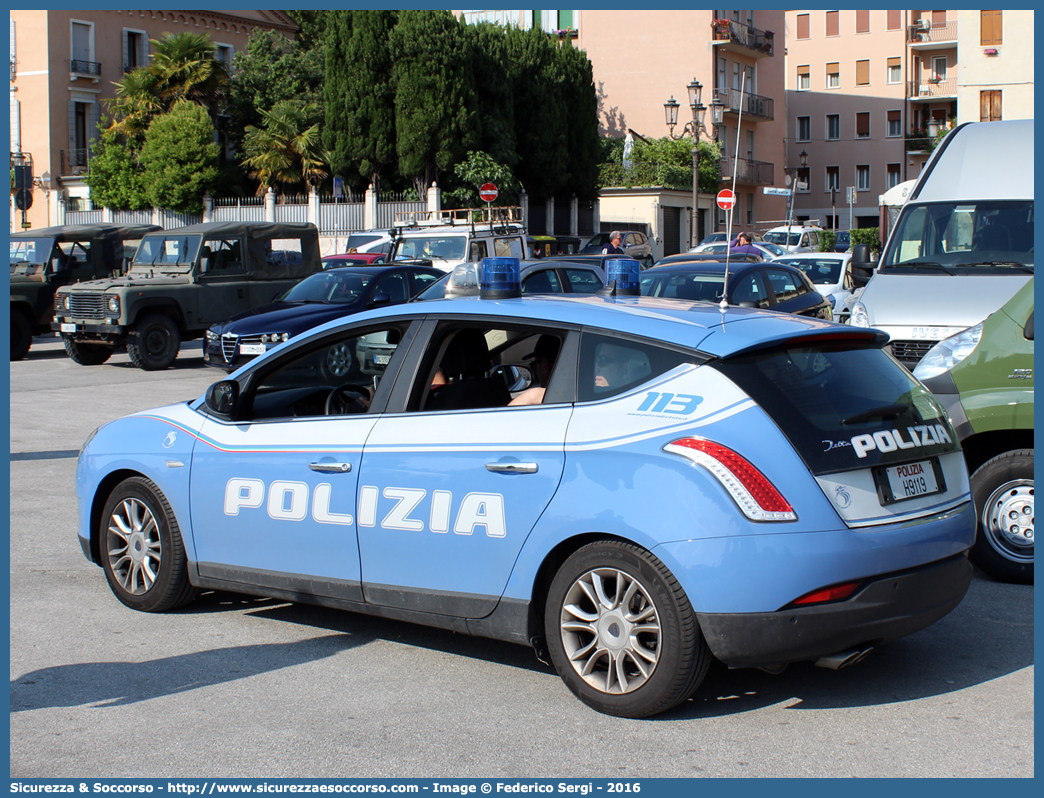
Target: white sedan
(830, 273)
(768, 251)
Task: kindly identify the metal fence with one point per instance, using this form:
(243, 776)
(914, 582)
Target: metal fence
(387, 211)
(85, 217)
(340, 218)
(131, 217)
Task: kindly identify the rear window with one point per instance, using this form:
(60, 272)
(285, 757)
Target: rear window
(843, 405)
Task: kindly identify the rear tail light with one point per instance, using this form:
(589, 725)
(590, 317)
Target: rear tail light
(822, 596)
(750, 489)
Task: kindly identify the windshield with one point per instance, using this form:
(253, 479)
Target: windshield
(780, 239)
(333, 287)
(166, 252)
(30, 250)
(821, 271)
(939, 236)
(435, 247)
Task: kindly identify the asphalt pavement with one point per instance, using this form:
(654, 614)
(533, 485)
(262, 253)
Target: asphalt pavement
(234, 686)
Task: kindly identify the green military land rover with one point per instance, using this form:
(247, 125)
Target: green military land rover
(45, 259)
(180, 282)
(984, 378)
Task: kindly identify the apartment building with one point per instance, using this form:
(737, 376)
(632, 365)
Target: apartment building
(868, 90)
(64, 65)
(641, 59)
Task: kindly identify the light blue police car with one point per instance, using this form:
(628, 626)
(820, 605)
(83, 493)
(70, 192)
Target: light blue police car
(633, 485)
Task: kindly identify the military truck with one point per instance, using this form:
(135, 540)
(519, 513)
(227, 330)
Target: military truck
(984, 378)
(180, 283)
(45, 259)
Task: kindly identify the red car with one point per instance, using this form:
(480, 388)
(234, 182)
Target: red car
(353, 259)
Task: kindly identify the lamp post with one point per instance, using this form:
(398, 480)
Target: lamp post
(695, 127)
(792, 172)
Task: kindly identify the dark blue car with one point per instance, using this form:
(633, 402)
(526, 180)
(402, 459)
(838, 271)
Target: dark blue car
(317, 299)
(766, 285)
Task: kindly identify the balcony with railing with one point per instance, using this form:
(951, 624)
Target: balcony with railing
(932, 88)
(85, 69)
(753, 105)
(75, 163)
(742, 38)
(925, 32)
(758, 173)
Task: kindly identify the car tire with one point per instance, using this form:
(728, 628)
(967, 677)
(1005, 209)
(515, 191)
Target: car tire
(141, 548)
(21, 335)
(598, 645)
(154, 342)
(1003, 493)
(86, 354)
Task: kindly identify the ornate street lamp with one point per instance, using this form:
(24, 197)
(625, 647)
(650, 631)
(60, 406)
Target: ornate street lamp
(695, 127)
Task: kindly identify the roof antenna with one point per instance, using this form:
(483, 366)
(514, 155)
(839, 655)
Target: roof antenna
(724, 305)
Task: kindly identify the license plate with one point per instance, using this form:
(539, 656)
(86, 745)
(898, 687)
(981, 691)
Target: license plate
(381, 360)
(68, 327)
(910, 481)
(252, 349)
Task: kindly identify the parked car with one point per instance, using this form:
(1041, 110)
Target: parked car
(692, 257)
(762, 285)
(843, 241)
(722, 237)
(550, 276)
(667, 500)
(45, 259)
(768, 251)
(635, 245)
(449, 238)
(364, 241)
(984, 378)
(962, 245)
(181, 282)
(795, 237)
(328, 295)
(830, 273)
(353, 259)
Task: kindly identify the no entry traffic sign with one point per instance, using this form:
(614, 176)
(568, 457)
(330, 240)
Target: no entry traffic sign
(488, 192)
(726, 199)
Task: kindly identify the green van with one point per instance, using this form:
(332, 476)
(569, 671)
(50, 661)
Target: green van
(984, 378)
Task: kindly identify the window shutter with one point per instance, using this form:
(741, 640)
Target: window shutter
(72, 131)
(862, 73)
(991, 28)
(802, 26)
(895, 116)
(126, 50)
(895, 20)
(863, 124)
(833, 25)
(93, 118)
(939, 19)
(995, 105)
(862, 20)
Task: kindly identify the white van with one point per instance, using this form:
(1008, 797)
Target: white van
(795, 238)
(962, 245)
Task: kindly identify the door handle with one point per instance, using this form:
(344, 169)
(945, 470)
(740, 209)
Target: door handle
(512, 468)
(331, 468)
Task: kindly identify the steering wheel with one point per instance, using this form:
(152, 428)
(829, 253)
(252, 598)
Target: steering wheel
(348, 399)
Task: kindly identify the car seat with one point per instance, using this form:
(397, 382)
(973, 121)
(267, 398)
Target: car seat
(465, 362)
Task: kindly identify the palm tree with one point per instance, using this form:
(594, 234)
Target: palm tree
(182, 68)
(287, 149)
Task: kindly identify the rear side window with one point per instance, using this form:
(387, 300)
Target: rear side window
(611, 366)
(583, 281)
(544, 281)
(785, 285)
(843, 405)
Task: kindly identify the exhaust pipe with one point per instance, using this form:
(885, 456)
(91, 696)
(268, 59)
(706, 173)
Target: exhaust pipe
(843, 659)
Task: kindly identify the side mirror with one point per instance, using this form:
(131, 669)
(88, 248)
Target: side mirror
(222, 398)
(862, 268)
(380, 299)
